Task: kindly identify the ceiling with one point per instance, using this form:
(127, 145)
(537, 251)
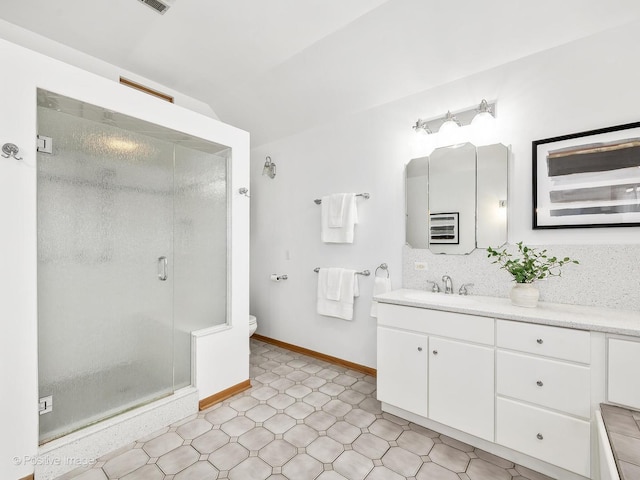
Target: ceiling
(277, 67)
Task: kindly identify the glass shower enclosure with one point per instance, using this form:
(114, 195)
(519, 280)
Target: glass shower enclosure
(132, 257)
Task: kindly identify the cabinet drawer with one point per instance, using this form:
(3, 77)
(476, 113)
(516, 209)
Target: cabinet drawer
(460, 326)
(558, 439)
(562, 343)
(550, 383)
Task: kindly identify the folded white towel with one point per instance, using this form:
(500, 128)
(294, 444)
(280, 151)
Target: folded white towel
(334, 283)
(343, 234)
(335, 214)
(342, 308)
(380, 285)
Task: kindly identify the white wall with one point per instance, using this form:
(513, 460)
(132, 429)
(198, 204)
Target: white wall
(587, 84)
(18, 296)
(33, 41)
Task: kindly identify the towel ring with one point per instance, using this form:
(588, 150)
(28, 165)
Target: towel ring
(384, 267)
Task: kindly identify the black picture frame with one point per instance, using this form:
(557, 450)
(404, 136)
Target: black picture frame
(444, 228)
(583, 180)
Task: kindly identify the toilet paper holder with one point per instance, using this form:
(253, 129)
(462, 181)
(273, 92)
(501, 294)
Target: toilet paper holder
(277, 277)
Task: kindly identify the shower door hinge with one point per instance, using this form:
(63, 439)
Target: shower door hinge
(46, 405)
(45, 144)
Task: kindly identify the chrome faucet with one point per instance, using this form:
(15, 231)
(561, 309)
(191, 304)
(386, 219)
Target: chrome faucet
(464, 288)
(435, 288)
(448, 284)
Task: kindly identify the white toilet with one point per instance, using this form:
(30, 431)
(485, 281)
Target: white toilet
(253, 324)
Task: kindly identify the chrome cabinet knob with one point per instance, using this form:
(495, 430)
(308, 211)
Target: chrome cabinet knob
(419, 349)
(539, 383)
(435, 352)
(540, 341)
(539, 436)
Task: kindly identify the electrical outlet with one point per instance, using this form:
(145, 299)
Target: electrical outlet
(420, 266)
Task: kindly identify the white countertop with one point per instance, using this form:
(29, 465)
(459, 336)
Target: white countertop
(622, 322)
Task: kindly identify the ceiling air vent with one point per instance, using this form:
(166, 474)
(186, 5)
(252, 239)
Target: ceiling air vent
(157, 5)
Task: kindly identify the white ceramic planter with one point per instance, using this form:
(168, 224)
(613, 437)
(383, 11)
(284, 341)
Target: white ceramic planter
(524, 295)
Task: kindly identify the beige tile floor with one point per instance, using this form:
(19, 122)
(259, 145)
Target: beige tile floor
(302, 419)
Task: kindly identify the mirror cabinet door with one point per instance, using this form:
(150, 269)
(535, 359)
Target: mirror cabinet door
(492, 196)
(456, 199)
(417, 202)
(452, 199)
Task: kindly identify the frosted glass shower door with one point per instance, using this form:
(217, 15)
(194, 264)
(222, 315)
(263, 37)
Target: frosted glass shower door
(105, 222)
(200, 249)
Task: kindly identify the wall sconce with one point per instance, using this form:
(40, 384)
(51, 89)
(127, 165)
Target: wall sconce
(485, 111)
(269, 168)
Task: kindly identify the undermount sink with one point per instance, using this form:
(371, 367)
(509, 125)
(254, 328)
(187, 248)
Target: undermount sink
(452, 300)
(438, 297)
(441, 300)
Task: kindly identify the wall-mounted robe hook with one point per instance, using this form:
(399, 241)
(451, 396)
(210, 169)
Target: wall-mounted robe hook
(10, 150)
(244, 191)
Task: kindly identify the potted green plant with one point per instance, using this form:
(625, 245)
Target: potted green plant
(526, 267)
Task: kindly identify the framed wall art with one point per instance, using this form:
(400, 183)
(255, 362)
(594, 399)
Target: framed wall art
(588, 179)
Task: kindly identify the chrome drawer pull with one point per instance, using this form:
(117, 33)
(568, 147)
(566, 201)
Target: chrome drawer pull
(540, 341)
(539, 383)
(539, 436)
(419, 349)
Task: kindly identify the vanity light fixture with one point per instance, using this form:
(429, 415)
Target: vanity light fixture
(269, 168)
(485, 111)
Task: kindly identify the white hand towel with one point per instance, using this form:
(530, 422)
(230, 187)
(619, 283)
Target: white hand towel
(334, 283)
(336, 210)
(342, 308)
(345, 233)
(380, 285)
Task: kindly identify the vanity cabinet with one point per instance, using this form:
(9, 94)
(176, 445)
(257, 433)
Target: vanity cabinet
(623, 385)
(439, 365)
(543, 387)
(525, 384)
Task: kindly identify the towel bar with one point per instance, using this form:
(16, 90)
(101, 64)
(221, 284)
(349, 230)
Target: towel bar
(363, 195)
(366, 273)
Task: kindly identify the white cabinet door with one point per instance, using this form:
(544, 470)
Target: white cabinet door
(402, 369)
(624, 382)
(461, 386)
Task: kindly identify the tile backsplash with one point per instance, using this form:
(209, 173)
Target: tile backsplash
(607, 276)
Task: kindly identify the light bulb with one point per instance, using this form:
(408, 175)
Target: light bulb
(449, 134)
(483, 125)
(483, 129)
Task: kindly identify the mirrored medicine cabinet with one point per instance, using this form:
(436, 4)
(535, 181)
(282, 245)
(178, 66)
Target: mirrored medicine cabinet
(456, 199)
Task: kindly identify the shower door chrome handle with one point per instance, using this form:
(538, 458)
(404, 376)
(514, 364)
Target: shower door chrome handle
(162, 268)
